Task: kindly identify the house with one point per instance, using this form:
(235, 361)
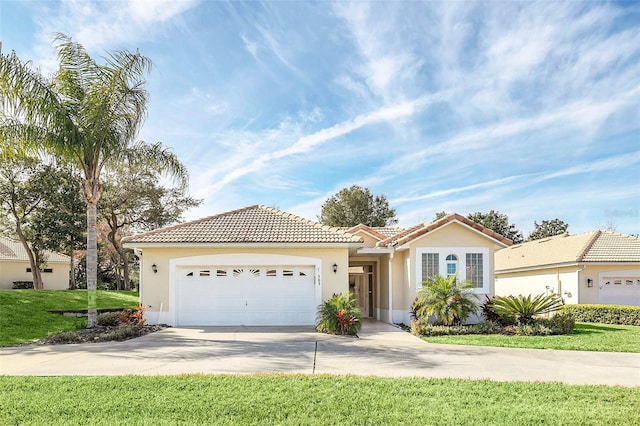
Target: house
(593, 267)
(15, 266)
(261, 266)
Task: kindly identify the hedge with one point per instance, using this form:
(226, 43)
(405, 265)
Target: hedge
(22, 285)
(606, 314)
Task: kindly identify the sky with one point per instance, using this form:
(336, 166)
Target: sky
(528, 108)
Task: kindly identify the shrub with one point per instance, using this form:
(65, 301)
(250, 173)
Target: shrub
(524, 308)
(606, 314)
(422, 328)
(22, 285)
(339, 315)
(448, 299)
(560, 323)
(109, 319)
(491, 315)
(134, 317)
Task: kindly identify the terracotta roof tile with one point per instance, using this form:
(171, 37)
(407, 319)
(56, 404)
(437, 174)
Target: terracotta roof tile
(594, 246)
(12, 250)
(253, 224)
(419, 230)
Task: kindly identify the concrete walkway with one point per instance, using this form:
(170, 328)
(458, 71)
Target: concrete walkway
(381, 350)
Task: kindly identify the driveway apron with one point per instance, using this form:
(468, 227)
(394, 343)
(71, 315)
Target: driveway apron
(381, 350)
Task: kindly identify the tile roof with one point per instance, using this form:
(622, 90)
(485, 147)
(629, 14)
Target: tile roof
(12, 250)
(253, 224)
(380, 232)
(594, 246)
(417, 231)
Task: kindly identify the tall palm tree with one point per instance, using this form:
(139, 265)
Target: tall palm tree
(87, 113)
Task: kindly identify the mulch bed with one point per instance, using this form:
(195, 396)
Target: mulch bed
(100, 334)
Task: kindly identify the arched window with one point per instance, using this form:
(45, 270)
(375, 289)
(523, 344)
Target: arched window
(452, 264)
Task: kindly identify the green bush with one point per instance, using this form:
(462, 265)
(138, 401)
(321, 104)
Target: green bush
(421, 327)
(22, 285)
(109, 319)
(606, 314)
(339, 315)
(560, 323)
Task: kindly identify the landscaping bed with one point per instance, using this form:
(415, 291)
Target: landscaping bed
(99, 334)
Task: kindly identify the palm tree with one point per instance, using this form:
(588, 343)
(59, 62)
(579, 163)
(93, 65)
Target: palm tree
(448, 299)
(88, 114)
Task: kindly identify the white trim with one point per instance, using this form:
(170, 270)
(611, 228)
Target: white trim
(259, 259)
(373, 250)
(461, 252)
(407, 245)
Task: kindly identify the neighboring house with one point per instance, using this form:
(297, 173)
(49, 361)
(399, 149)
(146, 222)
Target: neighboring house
(262, 266)
(594, 267)
(14, 266)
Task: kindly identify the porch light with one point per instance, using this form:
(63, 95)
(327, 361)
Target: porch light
(154, 268)
(589, 282)
(335, 268)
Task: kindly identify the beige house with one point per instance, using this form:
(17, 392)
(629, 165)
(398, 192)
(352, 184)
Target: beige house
(262, 266)
(594, 267)
(14, 266)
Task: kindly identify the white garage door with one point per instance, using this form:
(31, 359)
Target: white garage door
(246, 295)
(620, 291)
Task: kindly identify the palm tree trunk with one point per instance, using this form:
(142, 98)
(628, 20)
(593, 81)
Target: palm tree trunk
(72, 272)
(92, 262)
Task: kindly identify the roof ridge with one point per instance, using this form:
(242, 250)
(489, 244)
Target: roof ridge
(589, 245)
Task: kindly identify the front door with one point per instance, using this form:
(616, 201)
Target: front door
(361, 285)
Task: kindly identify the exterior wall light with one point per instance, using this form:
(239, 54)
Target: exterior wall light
(589, 282)
(154, 268)
(335, 268)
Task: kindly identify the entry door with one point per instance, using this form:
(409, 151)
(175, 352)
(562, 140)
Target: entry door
(361, 284)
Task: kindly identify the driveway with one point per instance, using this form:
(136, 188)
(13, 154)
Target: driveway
(381, 350)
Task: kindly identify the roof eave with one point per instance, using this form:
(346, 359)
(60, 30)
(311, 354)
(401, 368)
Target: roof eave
(142, 245)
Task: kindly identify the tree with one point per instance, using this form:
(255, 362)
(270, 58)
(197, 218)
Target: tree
(133, 200)
(439, 215)
(498, 223)
(37, 203)
(548, 228)
(356, 205)
(448, 299)
(87, 113)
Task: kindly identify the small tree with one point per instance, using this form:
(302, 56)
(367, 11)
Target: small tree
(450, 300)
(548, 228)
(356, 205)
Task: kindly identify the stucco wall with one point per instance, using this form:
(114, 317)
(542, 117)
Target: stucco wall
(563, 281)
(154, 291)
(17, 271)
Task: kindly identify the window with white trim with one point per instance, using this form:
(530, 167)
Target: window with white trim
(452, 264)
(474, 269)
(430, 265)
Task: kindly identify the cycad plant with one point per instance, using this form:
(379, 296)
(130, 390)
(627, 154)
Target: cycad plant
(339, 315)
(524, 308)
(450, 300)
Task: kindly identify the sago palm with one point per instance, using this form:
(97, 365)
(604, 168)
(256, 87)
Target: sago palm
(88, 114)
(450, 300)
(524, 308)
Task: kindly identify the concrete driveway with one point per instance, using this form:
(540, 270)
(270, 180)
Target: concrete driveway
(381, 350)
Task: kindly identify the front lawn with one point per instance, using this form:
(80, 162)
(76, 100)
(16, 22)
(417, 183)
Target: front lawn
(585, 337)
(24, 317)
(309, 400)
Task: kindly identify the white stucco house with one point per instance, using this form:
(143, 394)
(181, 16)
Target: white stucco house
(593, 267)
(262, 266)
(15, 266)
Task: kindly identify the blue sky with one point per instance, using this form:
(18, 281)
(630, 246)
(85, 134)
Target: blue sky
(528, 108)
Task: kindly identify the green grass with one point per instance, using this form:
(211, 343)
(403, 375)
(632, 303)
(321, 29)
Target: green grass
(585, 337)
(24, 317)
(309, 400)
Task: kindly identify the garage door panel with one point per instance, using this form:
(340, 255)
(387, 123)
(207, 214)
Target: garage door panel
(620, 291)
(246, 295)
